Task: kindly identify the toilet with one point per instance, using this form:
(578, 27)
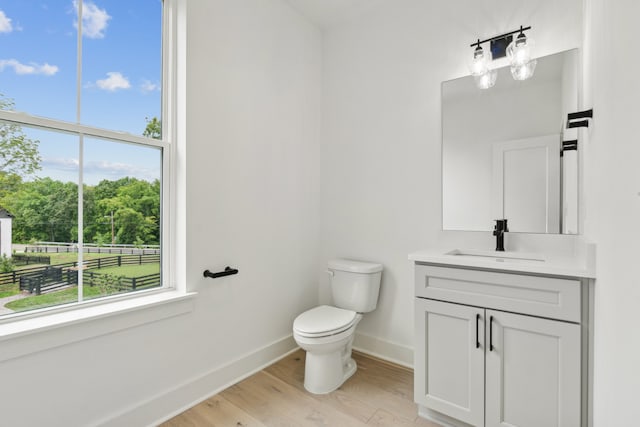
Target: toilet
(326, 332)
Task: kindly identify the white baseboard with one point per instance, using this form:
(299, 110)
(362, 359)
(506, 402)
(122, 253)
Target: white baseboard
(386, 350)
(171, 402)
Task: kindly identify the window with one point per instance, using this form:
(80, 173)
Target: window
(84, 150)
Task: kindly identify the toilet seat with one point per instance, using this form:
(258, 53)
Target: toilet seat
(323, 321)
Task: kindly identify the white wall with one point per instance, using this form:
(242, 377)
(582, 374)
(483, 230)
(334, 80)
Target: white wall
(613, 205)
(254, 91)
(252, 170)
(5, 236)
(381, 182)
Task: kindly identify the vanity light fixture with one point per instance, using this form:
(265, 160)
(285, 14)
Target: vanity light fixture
(518, 52)
(484, 76)
(481, 60)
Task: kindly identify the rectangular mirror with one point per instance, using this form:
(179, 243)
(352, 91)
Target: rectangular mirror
(502, 153)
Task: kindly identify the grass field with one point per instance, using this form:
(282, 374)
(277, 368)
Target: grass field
(56, 298)
(131, 270)
(8, 290)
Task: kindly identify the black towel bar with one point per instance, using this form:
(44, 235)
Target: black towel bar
(574, 122)
(228, 271)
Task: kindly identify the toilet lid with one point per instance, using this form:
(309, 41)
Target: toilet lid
(323, 320)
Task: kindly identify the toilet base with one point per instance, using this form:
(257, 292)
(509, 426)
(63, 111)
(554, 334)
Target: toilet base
(328, 363)
(327, 372)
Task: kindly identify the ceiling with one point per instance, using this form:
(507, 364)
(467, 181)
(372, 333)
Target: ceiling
(325, 13)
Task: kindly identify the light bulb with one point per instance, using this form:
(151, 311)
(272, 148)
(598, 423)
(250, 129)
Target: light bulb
(519, 50)
(524, 71)
(486, 80)
(480, 63)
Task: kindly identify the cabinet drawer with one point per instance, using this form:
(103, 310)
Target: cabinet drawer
(538, 296)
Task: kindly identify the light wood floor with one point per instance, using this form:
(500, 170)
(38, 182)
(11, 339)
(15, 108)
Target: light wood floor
(378, 394)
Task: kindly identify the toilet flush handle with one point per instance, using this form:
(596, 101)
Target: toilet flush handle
(330, 273)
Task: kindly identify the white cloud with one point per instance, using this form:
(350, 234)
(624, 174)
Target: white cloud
(61, 164)
(95, 171)
(48, 70)
(147, 86)
(5, 23)
(113, 82)
(31, 68)
(119, 169)
(94, 19)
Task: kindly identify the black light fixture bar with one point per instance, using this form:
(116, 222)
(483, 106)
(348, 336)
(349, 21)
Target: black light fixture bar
(479, 42)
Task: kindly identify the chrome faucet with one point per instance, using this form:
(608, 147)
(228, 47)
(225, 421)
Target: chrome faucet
(498, 231)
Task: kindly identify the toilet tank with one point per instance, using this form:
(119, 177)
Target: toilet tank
(355, 284)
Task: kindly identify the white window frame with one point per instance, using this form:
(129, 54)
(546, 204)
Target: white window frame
(173, 291)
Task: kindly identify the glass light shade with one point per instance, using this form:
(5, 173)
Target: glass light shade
(524, 71)
(519, 51)
(486, 80)
(480, 63)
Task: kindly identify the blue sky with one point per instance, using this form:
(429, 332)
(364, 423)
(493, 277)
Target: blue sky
(121, 76)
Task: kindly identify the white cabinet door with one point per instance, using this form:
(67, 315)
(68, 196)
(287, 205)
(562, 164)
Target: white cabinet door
(449, 366)
(532, 372)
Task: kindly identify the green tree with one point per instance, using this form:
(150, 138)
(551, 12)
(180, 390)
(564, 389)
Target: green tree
(142, 196)
(89, 211)
(47, 210)
(18, 154)
(9, 184)
(107, 189)
(130, 225)
(153, 129)
(136, 209)
(44, 209)
(108, 283)
(6, 264)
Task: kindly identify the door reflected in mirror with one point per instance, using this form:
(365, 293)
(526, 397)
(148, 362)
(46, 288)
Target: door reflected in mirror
(502, 150)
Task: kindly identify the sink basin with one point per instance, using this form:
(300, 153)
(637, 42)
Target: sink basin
(498, 256)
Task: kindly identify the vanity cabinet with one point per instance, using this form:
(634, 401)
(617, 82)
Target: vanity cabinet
(499, 349)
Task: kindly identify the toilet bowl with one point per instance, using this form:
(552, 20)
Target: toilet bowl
(328, 345)
(326, 332)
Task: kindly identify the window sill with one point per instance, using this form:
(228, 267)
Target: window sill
(31, 335)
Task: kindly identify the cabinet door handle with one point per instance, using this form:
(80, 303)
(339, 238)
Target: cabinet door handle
(477, 338)
(490, 333)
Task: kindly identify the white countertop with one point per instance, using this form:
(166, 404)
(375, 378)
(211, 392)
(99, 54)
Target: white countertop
(509, 261)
